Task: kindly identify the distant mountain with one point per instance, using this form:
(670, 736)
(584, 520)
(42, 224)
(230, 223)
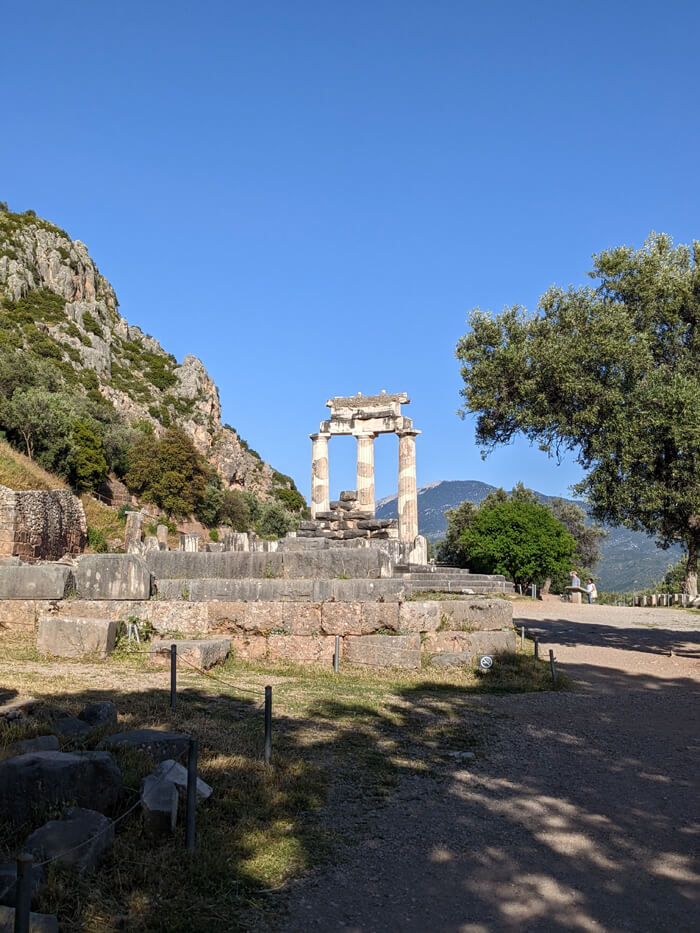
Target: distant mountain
(630, 559)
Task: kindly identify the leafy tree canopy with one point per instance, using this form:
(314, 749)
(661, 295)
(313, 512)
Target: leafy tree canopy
(612, 374)
(168, 472)
(519, 539)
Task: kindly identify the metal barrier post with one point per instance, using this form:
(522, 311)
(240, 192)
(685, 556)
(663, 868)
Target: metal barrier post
(537, 646)
(23, 897)
(191, 795)
(552, 666)
(173, 676)
(336, 654)
(268, 724)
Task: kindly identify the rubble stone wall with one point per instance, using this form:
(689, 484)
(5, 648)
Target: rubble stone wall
(41, 524)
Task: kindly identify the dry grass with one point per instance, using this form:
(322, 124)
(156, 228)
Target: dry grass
(103, 518)
(336, 738)
(20, 473)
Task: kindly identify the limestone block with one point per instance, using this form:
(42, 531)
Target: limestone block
(93, 608)
(336, 563)
(173, 771)
(202, 653)
(453, 659)
(159, 801)
(62, 637)
(113, 576)
(78, 840)
(383, 650)
(301, 647)
(447, 642)
(18, 615)
(420, 616)
(341, 618)
(249, 647)
(38, 923)
(478, 614)
(292, 618)
(178, 616)
(42, 743)
(37, 581)
(492, 642)
(377, 616)
(231, 565)
(153, 743)
(100, 714)
(42, 779)
(162, 536)
(365, 589)
(70, 727)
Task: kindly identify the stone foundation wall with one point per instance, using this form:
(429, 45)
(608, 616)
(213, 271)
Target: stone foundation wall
(41, 524)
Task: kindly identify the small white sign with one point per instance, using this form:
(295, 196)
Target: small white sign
(486, 662)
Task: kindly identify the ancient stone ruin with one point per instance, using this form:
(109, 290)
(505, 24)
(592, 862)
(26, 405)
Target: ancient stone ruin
(41, 524)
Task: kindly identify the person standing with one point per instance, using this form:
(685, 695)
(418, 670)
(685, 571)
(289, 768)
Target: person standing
(591, 591)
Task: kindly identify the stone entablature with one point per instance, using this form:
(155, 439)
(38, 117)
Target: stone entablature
(41, 524)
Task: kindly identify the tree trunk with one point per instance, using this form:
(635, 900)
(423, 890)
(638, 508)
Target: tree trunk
(691, 569)
(544, 590)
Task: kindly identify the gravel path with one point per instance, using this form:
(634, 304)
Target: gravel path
(581, 813)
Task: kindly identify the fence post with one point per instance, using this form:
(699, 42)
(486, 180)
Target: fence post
(537, 646)
(268, 724)
(552, 666)
(191, 794)
(23, 897)
(173, 676)
(336, 654)
(522, 637)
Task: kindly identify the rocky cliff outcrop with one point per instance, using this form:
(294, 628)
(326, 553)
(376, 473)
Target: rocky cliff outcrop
(50, 280)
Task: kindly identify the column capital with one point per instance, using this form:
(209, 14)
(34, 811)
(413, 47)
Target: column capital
(365, 435)
(411, 433)
(319, 435)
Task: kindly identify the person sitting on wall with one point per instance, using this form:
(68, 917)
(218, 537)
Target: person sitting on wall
(591, 591)
(575, 579)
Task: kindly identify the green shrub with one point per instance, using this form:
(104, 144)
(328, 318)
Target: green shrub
(96, 540)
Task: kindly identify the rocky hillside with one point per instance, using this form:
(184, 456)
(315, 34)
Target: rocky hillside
(55, 305)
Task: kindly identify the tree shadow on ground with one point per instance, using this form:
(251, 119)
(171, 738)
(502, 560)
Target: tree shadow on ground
(556, 826)
(553, 825)
(634, 638)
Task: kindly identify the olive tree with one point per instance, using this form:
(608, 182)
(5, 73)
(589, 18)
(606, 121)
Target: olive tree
(611, 373)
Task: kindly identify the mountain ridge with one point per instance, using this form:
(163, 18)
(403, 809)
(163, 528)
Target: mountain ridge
(630, 559)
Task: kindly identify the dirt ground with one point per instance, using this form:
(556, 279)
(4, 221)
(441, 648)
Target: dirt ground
(580, 813)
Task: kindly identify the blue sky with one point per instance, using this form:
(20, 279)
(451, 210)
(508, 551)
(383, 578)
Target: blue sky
(310, 196)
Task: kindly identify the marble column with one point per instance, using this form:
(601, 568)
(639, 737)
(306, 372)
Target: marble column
(365, 472)
(320, 498)
(408, 494)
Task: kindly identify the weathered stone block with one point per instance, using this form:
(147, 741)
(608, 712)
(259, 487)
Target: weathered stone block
(153, 743)
(62, 637)
(113, 576)
(341, 618)
(453, 659)
(159, 801)
(479, 614)
(40, 581)
(42, 779)
(420, 616)
(42, 743)
(18, 615)
(98, 715)
(202, 653)
(78, 840)
(449, 642)
(377, 616)
(301, 647)
(178, 616)
(231, 565)
(383, 650)
(249, 647)
(492, 642)
(175, 773)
